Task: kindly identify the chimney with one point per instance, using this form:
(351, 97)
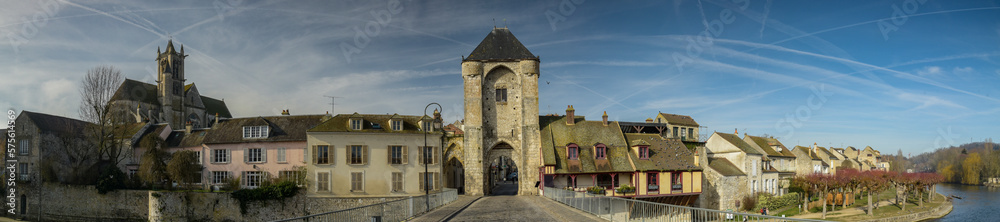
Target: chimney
(216, 120)
(187, 128)
(605, 118)
(736, 131)
(570, 115)
(696, 157)
(285, 112)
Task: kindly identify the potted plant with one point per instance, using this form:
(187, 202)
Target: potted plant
(595, 190)
(625, 189)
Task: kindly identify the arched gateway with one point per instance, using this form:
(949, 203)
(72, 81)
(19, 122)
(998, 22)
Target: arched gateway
(501, 112)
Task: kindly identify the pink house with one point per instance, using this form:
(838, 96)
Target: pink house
(250, 149)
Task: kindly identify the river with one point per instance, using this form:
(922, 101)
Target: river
(978, 203)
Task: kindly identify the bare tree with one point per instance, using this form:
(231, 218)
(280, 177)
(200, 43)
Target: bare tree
(98, 88)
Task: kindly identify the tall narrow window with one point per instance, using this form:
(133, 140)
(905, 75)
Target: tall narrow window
(643, 152)
(322, 181)
(355, 124)
(357, 182)
(281, 155)
(675, 132)
(23, 167)
(675, 181)
(322, 154)
(24, 149)
(600, 151)
(501, 95)
(573, 152)
(397, 182)
(691, 133)
(358, 154)
(652, 181)
(397, 155)
(426, 126)
(397, 125)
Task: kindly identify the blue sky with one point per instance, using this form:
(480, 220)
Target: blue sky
(911, 75)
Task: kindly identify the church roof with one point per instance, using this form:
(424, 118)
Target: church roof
(500, 44)
(213, 106)
(132, 90)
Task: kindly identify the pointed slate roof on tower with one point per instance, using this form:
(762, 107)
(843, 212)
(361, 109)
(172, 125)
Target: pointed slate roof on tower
(500, 44)
(170, 46)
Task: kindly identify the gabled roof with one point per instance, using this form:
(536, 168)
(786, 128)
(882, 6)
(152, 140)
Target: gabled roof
(724, 167)
(281, 128)
(761, 142)
(500, 44)
(182, 139)
(664, 154)
(827, 152)
(679, 119)
(55, 124)
(556, 135)
(213, 106)
(371, 123)
(739, 143)
(132, 90)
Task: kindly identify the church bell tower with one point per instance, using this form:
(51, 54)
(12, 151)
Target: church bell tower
(170, 84)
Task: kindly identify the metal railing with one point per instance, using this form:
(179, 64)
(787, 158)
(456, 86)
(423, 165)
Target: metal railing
(396, 210)
(621, 209)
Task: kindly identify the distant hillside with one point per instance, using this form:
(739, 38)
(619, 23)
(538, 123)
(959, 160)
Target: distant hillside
(968, 163)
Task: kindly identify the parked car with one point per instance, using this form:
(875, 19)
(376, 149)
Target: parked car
(512, 176)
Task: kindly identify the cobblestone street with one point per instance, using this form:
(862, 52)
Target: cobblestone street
(503, 206)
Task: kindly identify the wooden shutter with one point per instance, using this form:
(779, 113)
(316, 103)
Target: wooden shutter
(405, 157)
(315, 155)
(422, 185)
(364, 154)
(211, 154)
(350, 150)
(263, 155)
(435, 156)
(420, 155)
(229, 155)
(243, 178)
(246, 155)
(329, 156)
(437, 181)
(389, 148)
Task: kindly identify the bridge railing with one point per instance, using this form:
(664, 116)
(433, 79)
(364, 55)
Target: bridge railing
(396, 210)
(621, 209)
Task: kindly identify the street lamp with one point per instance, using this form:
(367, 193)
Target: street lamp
(436, 122)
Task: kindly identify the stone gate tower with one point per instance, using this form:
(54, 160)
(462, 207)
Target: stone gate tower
(501, 111)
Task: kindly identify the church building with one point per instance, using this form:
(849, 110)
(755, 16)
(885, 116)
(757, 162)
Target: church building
(171, 100)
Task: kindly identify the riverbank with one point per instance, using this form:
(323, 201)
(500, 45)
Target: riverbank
(889, 211)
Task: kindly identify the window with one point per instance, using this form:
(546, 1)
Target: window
(357, 182)
(24, 172)
(605, 180)
(321, 154)
(355, 124)
(358, 154)
(281, 155)
(683, 132)
(754, 189)
(501, 95)
(291, 175)
(132, 172)
(573, 152)
(600, 152)
(653, 184)
(254, 132)
(397, 182)
(643, 152)
(690, 132)
(675, 132)
(397, 155)
(397, 125)
(675, 181)
(429, 180)
(220, 156)
(428, 155)
(197, 156)
(25, 149)
(322, 181)
(252, 179)
(219, 177)
(426, 125)
(253, 155)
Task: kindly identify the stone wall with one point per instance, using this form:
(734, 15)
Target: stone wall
(195, 206)
(82, 203)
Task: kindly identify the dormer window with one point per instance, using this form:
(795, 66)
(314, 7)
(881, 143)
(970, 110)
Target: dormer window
(355, 124)
(397, 125)
(643, 152)
(600, 152)
(573, 152)
(426, 125)
(255, 132)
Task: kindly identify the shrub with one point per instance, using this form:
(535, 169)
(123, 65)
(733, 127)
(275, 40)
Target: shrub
(595, 190)
(184, 167)
(111, 179)
(777, 202)
(749, 203)
(625, 189)
(276, 191)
